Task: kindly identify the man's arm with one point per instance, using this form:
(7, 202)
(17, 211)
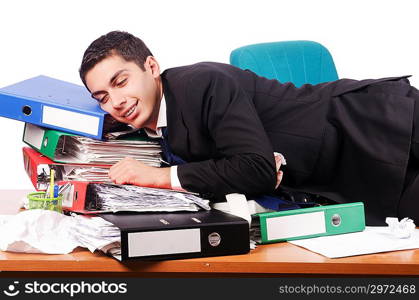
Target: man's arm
(131, 171)
(245, 161)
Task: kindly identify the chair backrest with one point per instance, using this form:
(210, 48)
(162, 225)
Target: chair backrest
(299, 62)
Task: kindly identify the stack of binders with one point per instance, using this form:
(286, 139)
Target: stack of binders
(79, 158)
(64, 124)
(67, 131)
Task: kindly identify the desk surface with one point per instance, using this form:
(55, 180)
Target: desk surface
(273, 259)
(281, 258)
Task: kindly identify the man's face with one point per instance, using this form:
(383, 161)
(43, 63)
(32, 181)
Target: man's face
(125, 91)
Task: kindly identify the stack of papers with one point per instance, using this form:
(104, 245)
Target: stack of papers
(46, 231)
(83, 173)
(37, 231)
(95, 233)
(113, 198)
(71, 172)
(83, 150)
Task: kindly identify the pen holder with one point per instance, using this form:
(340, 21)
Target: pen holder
(38, 200)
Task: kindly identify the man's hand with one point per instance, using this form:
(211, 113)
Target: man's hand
(279, 173)
(131, 171)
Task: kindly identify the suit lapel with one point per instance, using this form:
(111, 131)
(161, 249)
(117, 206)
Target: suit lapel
(178, 133)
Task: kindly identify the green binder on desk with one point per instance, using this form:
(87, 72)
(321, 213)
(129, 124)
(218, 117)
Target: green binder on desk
(310, 222)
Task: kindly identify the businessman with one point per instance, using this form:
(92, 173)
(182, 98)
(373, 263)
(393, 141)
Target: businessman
(347, 140)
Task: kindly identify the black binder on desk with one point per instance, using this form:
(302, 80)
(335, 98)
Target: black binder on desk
(156, 236)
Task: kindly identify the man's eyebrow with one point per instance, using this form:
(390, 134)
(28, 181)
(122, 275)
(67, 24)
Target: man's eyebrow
(110, 82)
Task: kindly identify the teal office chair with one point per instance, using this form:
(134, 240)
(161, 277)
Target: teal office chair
(299, 62)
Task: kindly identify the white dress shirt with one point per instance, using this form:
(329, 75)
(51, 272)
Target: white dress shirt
(162, 122)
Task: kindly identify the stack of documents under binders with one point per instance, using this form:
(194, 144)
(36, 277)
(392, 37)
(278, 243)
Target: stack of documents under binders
(151, 224)
(69, 148)
(156, 236)
(95, 233)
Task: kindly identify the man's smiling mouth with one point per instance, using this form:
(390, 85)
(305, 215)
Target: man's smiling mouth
(130, 112)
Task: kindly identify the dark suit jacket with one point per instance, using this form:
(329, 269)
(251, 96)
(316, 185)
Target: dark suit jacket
(348, 140)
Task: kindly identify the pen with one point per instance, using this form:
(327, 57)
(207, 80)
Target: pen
(51, 183)
(55, 191)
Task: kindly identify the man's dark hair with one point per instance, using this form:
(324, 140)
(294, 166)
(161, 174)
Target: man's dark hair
(121, 43)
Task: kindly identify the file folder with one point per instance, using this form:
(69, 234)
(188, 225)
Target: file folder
(69, 148)
(44, 140)
(156, 236)
(55, 104)
(76, 197)
(38, 168)
(99, 197)
(310, 222)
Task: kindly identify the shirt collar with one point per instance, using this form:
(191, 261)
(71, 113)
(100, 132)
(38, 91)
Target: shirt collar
(161, 121)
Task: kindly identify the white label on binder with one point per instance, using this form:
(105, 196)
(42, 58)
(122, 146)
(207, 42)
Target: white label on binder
(295, 225)
(70, 120)
(164, 242)
(33, 135)
(68, 197)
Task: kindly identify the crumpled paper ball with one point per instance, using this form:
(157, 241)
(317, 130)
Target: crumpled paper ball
(402, 229)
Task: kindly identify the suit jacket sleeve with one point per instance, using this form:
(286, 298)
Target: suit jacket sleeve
(225, 113)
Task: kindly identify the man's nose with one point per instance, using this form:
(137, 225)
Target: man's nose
(117, 100)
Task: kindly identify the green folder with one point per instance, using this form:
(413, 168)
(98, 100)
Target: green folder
(310, 222)
(44, 140)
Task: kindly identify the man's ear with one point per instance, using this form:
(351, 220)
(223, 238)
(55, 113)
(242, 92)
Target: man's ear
(152, 65)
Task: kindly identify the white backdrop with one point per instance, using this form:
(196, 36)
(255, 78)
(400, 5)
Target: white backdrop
(367, 38)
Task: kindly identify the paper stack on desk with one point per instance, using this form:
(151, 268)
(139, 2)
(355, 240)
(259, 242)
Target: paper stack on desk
(45, 231)
(127, 236)
(95, 233)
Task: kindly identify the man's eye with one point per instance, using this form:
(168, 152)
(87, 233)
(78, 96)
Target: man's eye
(104, 99)
(121, 83)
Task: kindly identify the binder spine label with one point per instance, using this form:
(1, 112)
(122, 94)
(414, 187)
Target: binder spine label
(68, 197)
(164, 242)
(295, 225)
(70, 120)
